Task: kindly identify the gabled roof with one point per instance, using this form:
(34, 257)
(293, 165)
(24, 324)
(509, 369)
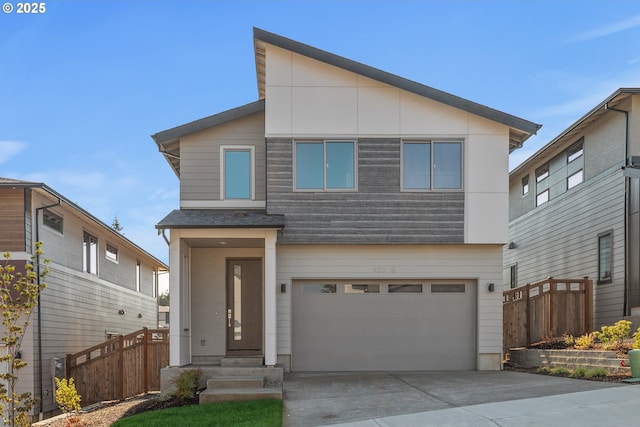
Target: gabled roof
(15, 183)
(568, 135)
(521, 129)
(168, 140)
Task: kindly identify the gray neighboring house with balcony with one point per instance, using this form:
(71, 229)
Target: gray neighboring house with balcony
(574, 208)
(349, 219)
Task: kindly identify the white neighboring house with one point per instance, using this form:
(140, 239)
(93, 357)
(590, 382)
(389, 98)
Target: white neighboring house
(349, 219)
(100, 283)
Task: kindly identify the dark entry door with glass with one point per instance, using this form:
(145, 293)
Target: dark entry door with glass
(244, 306)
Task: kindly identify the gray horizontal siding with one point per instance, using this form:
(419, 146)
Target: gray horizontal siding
(377, 213)
(560, 239)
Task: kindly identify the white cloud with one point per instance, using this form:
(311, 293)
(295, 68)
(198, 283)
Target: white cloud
(8, 149)
(606, 30)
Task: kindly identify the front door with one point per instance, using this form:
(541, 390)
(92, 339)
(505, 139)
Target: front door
(244, 306)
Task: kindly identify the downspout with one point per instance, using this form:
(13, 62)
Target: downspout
(625, 302)
(40, 375)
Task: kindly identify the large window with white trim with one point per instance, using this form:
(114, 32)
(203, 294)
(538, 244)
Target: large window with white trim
(325, 165)
(431, 165)
(237, 176)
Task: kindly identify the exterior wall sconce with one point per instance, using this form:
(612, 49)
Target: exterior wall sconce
(121, 311)
(283, 288)
(511, 245)
(139, 315)
(491, 287)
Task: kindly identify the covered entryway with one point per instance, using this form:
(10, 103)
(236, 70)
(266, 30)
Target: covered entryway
(377, 325)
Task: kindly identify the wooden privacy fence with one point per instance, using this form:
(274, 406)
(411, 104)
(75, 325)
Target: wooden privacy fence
(122, 367)
(546, 309)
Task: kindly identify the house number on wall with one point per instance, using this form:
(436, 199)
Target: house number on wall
(384, 269)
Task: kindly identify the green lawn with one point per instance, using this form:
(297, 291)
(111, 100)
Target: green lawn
(253, 413)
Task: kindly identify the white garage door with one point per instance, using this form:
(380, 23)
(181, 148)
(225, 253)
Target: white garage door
(367, 325)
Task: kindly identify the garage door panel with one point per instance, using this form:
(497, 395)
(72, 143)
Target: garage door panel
(384, 331)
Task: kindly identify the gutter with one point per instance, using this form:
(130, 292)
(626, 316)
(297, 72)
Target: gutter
(625, 301)
(40, 361)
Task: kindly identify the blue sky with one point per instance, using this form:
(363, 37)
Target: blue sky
(85, 84)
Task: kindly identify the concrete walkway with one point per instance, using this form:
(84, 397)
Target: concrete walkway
(471, 398)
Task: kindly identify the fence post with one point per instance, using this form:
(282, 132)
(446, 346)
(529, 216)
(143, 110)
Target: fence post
(588, 305)
(67, 366)
(145, 360)
(121, 367)
(527, 287)
(552, 291)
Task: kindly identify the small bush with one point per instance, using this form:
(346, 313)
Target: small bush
(579, 372)
(595, 372)
(584, 342)
(612, 336)
(187, 384)
(560, 372)
(636, 339)
(569, 340)
(543, 370)
(67, 396)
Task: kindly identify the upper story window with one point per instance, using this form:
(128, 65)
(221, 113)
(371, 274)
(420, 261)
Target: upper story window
(325, 165)
(138, 276)
(52, 220)
(525, 185)
(237, 177)
(542, 173)
(575, 151)
(542, 197)
(431, 165)
(111, 253)
(90, 253)
(575, 179)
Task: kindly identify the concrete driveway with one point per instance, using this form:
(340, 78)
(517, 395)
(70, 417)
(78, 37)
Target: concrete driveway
(315, 399)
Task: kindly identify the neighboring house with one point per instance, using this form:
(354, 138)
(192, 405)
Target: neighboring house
(574, 208)
(163, 316)
(349, 219)
(100, 284)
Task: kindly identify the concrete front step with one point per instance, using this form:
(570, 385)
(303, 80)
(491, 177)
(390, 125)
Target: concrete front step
(231, 382)
(245, 361)
(235, 394)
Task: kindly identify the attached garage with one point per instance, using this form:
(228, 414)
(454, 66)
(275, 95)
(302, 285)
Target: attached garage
(383, 325)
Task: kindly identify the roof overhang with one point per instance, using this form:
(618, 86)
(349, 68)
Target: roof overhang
(570, 133)
(220, 218)
(168, 141)
(519, 129)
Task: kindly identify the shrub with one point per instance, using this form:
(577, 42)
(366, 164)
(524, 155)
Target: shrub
(579, 372)
(67, 396)
(543, 370)
(584, 342)
(612, 336)
(595, 372)
(187, 384)
(560, 372)
(569, 340)
(636, 339)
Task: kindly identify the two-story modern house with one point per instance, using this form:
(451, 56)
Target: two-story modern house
(349, 219)
(100, 284)
(574, 208)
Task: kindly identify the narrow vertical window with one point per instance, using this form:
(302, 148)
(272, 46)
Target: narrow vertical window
(238, 175)
(138, 278)
(154, 284)
(513, 276)
(340, 165)
(111, 252)
(605, 257)
(525, 185)
(575, 151)
(90, 254)
(309, 165)
(542, 173)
